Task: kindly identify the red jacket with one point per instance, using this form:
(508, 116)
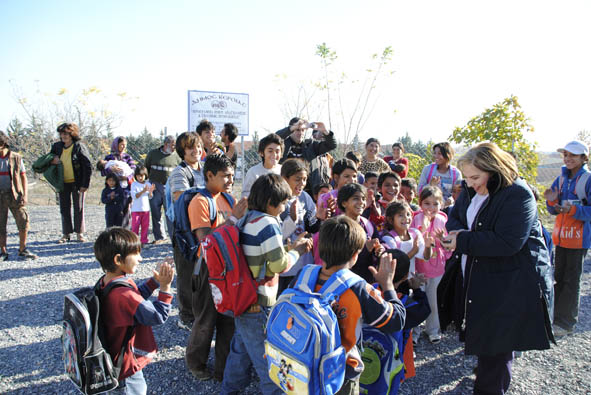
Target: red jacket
(125, 307)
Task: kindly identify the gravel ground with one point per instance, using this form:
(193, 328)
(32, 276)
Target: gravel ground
(31, 305)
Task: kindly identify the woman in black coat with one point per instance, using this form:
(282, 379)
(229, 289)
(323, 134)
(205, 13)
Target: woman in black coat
(77, 171)
(505, 265)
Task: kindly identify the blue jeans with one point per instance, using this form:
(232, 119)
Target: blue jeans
(133, 385)
(156, 203)
(248, 350)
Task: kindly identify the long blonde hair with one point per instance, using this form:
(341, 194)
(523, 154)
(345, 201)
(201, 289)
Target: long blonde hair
(488, 157)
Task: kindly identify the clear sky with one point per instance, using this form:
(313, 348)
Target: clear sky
(452, 59)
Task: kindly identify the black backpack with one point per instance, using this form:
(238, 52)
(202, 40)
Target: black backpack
(86, 361)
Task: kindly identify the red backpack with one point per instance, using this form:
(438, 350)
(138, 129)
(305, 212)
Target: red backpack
(232, 286)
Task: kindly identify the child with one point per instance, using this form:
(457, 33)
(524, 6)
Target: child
(356, 158)
(389, 186)
(408, 190)
(114, 198)
(228, 135)
(300, 214)
(351, 200)
(344, 172)
(262, 242)
(373, 196)
(397, 162)
(371, 181)
(141, 193)
(319, 190)
(441, 173)
(270, 150)
(431, 222)
(118, 167)
(118, 252)
(219, 177)
(341, 240)
(399, 235)
(569, 199)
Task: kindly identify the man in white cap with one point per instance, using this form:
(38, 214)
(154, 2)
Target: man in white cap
(160, 162)
(569, 199)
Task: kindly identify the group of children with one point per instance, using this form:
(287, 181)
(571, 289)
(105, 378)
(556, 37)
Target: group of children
(344, 225)
(122, 184)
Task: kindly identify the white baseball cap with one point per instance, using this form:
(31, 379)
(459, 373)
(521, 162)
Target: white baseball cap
(575, 147)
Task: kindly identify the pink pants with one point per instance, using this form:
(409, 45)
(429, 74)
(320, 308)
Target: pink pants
(141, 218)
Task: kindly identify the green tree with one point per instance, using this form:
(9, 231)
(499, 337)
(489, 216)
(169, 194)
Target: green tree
(506, 125)
(139, 146)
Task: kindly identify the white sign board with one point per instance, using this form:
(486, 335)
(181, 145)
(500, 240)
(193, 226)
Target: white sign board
(219, 108)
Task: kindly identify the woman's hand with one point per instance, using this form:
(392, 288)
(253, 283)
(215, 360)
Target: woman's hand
(449, 241)
(56, 160)
(82, 189)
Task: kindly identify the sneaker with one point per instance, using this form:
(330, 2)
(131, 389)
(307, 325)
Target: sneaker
(435, 338)
(26, 254)
(201, 375)
(186, 325)
(3, 256)
(160, 241)
(560, 331)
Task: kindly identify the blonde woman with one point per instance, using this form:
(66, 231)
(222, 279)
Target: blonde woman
(505, 266)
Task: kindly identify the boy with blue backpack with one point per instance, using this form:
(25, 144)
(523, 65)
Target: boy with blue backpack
(352, 302)
(262, 242)
(209, 208)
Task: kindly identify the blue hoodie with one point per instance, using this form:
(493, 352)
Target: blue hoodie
(572, 229)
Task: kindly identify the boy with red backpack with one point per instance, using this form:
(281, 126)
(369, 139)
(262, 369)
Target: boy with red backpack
(218, 172)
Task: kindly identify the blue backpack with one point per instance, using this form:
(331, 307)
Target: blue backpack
(184, 237)
(303, 347)
(382, 358)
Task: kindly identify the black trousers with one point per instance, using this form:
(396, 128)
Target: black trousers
(493, 374)
(567, 290)
(207, 320)
(71, 194)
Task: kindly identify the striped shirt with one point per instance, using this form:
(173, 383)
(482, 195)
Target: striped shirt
(262, 243)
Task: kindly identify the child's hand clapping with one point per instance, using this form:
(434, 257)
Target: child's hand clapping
(293, 210)
(385, 274)
(164, 274)
(551, 195)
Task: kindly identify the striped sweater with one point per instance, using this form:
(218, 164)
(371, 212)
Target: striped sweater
(262, 243)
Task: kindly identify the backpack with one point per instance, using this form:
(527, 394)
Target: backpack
(383, 355)
(303, 347)
(232, 286)
(168, 202)
(184, 237)
(86, 361)
(382, 358)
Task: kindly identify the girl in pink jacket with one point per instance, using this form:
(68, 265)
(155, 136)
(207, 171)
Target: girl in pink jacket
(431, 221)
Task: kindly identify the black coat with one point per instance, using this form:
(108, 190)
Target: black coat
(80, 162)
(508, 277)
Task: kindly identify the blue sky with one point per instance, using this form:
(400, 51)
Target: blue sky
(451, 59)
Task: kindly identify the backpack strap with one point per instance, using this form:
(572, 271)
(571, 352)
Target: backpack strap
(454, 176)
(213, 211)
(431, 169)
(308, 277)
(192, 179)
(580, 187)
(339, 282)
(118, 282)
